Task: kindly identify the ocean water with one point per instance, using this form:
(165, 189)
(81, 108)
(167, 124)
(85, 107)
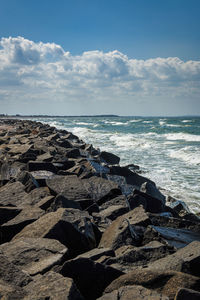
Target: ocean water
(166, 149)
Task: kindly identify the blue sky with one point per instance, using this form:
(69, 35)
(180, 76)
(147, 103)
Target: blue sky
(106, 56)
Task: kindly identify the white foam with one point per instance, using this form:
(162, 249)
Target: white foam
(135, 121)
(187, 155)
(146, 122)
(186, 121)
(182, 136)
(82, 123)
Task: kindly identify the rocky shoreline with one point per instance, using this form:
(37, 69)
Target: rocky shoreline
(77, 225)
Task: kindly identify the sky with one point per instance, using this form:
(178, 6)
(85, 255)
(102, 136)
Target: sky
(126, 57)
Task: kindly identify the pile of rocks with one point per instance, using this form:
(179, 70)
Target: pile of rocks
(77, 225)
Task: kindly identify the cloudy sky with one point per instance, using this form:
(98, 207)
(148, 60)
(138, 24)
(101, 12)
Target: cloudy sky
(127, 57)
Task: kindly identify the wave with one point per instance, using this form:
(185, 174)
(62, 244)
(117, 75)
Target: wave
(182, 136)
(187, 155)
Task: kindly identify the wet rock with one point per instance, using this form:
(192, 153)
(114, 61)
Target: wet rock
(185, 260)
(52, 286)
(12, 194)
(134, 292)
(187, 294)
(11, 274)
(72, 227)
(177, 238)
(91, 278)
(164, 282)
(137, 180)
(34, 255)
(152, 191)
(121, 171)
(12, 227)
(7, 213)
(123, 230)
(109, 158)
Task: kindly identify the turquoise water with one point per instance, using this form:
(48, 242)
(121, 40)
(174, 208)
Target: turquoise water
(166, 149)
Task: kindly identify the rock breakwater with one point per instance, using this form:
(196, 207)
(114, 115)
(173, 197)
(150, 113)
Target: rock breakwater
(74, 224)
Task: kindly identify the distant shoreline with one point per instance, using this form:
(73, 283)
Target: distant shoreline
(90, 116)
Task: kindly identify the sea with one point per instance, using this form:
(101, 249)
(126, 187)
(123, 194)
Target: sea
(167, 149)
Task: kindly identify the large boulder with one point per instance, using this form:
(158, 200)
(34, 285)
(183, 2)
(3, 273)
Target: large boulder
(34, 255)
(12, 194)
(109, 158)
(72, 227)
(123, 230)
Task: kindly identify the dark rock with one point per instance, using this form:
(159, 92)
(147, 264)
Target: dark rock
(7, 213)
(9, 171)
(52, 286)
(37, 166)
(177, 238)
(187, 294)
(92, 208)
(123, 230)
(34, 255)
(73, 153)
(164, 282)
(119, 200)
(72, 227)
(12, 194)
(26, 216)
(134, 292)
(91, 278)
(121, 171)
(61, 201)
(109, 158)
(11, 274)
(27, 180)
(45, 203)
(152, 191)
(185, 260)
(137, 180)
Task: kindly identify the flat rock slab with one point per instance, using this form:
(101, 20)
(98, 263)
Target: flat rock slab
(185, 260)
(90, 277)
(34, 255)
(134, 292)
(7, 213)
(163, 282)
(119, 233)
(70, 187)
(177, 238)
(71, 227)
(12, 194)
(36, 196)
(52, 286)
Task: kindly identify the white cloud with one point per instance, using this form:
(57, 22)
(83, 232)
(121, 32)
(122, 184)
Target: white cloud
(46, 71)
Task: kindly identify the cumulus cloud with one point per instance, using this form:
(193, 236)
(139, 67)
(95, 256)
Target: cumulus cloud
(46, 71)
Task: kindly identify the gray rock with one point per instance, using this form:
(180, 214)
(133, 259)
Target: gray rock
(113, 212)
(36, 196)
(187, 294)
(109, 158)
(152, 191)
(34, 255)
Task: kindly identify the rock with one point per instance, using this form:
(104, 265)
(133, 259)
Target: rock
(177, 238)
(137, 180)
(121, 171)
(164, 282)
(113, 212)
(11, 292)
(12, 194)
(96, 253)
(45, 203)
(149, 203)
(129, 257)
(7, 213)
(41, 176)
(185, 260)
(36, 196)
(38, 166)
(187, 294)
(52, 286)
(122, 232)
(73, 153)
(71, 187)
(34, 255)
(28, 181)
(9, 171)
(101, 189)
(71, 227)
(11, 274)
(152, 191)
(119, 200)
(61, 201)
(133, 292)
(19, 149)
(91, 278)
(46, 157)
(109, 158)
(27, 216)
